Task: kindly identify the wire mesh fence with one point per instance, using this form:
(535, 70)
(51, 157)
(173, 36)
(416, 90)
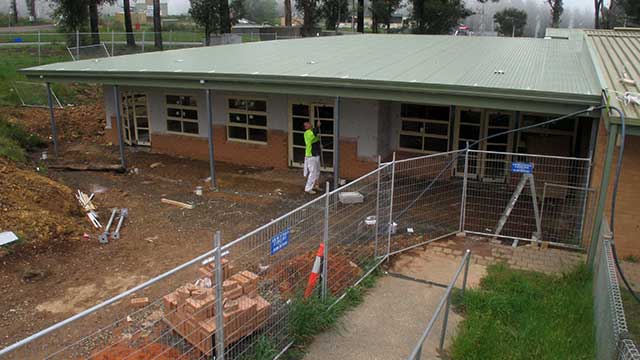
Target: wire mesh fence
(239, 297)
(34, 94)
(612, 334)
(528, 197)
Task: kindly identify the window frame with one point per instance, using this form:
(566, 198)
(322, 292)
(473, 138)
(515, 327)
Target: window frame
(181, 119)
(247, 126)
(423, 135)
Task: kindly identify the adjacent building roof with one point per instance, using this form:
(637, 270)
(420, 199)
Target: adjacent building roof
(617, 53)
(507, 73)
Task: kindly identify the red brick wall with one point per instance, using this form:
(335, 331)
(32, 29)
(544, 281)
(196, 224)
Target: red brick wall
(627, 222)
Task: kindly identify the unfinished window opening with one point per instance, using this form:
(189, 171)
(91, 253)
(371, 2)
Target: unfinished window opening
(558, 138)
(182, 114)
(135, 119)
(424, 128)
(247, 120)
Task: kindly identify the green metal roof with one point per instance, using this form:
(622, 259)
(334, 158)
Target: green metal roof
(616, 53)
(509, 73)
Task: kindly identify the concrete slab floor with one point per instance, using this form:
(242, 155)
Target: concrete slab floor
(390, 321)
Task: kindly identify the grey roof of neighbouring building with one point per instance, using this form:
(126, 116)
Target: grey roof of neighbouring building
(517, 73)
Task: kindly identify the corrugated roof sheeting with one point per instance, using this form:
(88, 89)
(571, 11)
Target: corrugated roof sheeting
(549, 66)
(618, 53)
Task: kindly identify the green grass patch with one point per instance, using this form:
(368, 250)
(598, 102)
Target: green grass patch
(15, 141)
(632, 312)
(526, 315)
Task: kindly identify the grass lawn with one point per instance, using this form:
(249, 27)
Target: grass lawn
(527, 315)
(632, 312)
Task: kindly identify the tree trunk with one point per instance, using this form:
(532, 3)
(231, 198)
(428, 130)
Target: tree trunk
(596, 24)
(207, 36)
(225, 20)
(360, 28)
(31, 4)
(93, 22)
(131, 41)
(157, 25)
(14, 8)
(287, 12)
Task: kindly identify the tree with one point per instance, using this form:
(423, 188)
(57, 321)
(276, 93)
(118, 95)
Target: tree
(73, 16)
(437, 16)
(157, 25)
(206, 13)
(556, 11)
(309, 10)
(238, 11)
(261, 11)
(225, 16)
(632, 9)
(31, 6)
(381, 13)
(14, 11)
(510, 22)
(360, 16)
(94, 21)
(334, 12)
(598, 9)
(287, 12)
(131, 41)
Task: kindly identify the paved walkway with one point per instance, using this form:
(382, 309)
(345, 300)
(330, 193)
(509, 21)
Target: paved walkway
(394, 314)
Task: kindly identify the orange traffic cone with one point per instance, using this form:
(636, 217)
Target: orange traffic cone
(315, 272)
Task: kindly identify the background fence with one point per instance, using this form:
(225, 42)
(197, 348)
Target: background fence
(612, 335)
(261, 275)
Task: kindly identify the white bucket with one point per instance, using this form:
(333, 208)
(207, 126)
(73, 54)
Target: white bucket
(198, 190)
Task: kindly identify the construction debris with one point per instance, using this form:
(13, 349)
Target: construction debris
(123, 214)
(350, 197)
(155, 165)
(177, 203)
(89, 208)
(190, 309)
(88, 167)
(104, 237)
(141, 301)
(7, 237)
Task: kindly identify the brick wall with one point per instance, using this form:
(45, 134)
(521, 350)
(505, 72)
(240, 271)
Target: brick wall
(628, 201)
(273, 154)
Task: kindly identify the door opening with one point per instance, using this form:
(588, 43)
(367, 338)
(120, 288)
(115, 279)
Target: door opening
(312, 112)
(135, 119)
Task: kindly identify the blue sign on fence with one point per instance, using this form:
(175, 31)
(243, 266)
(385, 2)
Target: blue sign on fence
(522, 167)
(280, 241)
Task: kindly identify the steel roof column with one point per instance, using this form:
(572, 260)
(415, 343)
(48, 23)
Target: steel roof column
(116, 100)
(336, 143)
(54, 132)
(604, 187)
(212, 164)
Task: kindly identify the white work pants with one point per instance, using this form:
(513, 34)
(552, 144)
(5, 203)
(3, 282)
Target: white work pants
(311, 171)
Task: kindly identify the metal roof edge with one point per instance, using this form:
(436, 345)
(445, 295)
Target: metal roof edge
(197, 80)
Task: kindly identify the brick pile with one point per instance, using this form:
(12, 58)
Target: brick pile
(190, 309)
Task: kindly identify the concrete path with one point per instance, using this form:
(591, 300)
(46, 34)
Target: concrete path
(395, 313)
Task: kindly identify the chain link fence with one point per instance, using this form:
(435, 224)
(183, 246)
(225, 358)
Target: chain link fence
(237, 299)
(612, 334)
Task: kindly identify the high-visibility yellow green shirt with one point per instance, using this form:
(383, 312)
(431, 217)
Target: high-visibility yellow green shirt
(312, 143)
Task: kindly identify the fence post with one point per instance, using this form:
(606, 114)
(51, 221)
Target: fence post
(445, 321)
(77, 44)
(112, 43)
(419, 354)
(325, 242)
(219, 344)
(390, 224)
(142, 40)
(171, 38)
(377, 231)
(466, 271)
(463, 205)
(38, 47)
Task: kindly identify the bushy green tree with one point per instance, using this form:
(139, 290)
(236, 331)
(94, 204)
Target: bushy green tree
(261, 11)
(73, 15)
(310, 10)
(334, 12)
(632, 9)
(381, 12)
(437, 16)
(206, 14)
(510, 21)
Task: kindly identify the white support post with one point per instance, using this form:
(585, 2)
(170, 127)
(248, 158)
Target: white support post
(116, 99)
(77, 45)
(212, 164)
(390, 224)
(54, 132)
(336, 143)
(377, 229)
(463, 202)
(39, 47)
(143, 41)
(219, 308)
(325, 241)
(113, 38)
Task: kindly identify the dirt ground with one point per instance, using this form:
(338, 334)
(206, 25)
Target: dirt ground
(44, 282)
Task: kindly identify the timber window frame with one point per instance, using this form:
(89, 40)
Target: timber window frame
(424, 128)
(247, 119)
(182, 116)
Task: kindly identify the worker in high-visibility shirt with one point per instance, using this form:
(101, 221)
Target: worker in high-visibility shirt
(311, 157)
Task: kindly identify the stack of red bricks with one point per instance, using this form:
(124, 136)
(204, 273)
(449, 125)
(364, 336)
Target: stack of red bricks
(190, 309)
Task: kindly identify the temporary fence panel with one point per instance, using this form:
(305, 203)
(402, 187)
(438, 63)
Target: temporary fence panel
(612, 334)
(340, 236)
(86, 52)
(505, 192)
(34, 94)
(427, 198)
